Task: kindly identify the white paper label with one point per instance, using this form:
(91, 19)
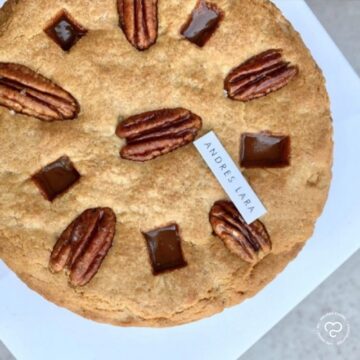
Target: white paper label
(230, 177)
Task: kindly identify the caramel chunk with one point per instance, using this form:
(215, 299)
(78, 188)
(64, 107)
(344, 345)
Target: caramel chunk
(202, 23)
(164, 246)
(264, 150)
(56, 178)
(65, 31)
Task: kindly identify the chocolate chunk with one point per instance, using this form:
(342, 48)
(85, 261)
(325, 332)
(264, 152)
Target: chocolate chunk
(202, 23)
(56, 178)
(164, 246)
(65, 31)
(264, 150)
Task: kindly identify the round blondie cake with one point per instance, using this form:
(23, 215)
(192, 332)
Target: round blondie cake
(106, 206)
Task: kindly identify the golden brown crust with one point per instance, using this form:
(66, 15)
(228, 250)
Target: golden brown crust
(110, 78)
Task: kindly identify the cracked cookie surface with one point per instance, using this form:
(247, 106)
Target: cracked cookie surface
(112, 81)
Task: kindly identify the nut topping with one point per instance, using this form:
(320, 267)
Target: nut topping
(250, 242)
(259, 76)
(84, 244)
(24, 91)
(155, 133)
(138, 20)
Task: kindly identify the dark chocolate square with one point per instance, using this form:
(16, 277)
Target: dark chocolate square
(56, 178)
(65, 31)
(164, 246)
(202, 23)
(264, 150)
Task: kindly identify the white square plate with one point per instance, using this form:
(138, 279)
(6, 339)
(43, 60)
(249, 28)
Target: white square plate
(35, 329)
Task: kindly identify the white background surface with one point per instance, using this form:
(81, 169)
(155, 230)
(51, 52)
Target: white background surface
(32, 328)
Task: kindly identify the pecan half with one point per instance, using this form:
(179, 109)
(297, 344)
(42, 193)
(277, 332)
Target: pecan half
(139, 22)
(27, 92)
(250, 242)
(158, 132)
(83, 245)
(259, 76)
